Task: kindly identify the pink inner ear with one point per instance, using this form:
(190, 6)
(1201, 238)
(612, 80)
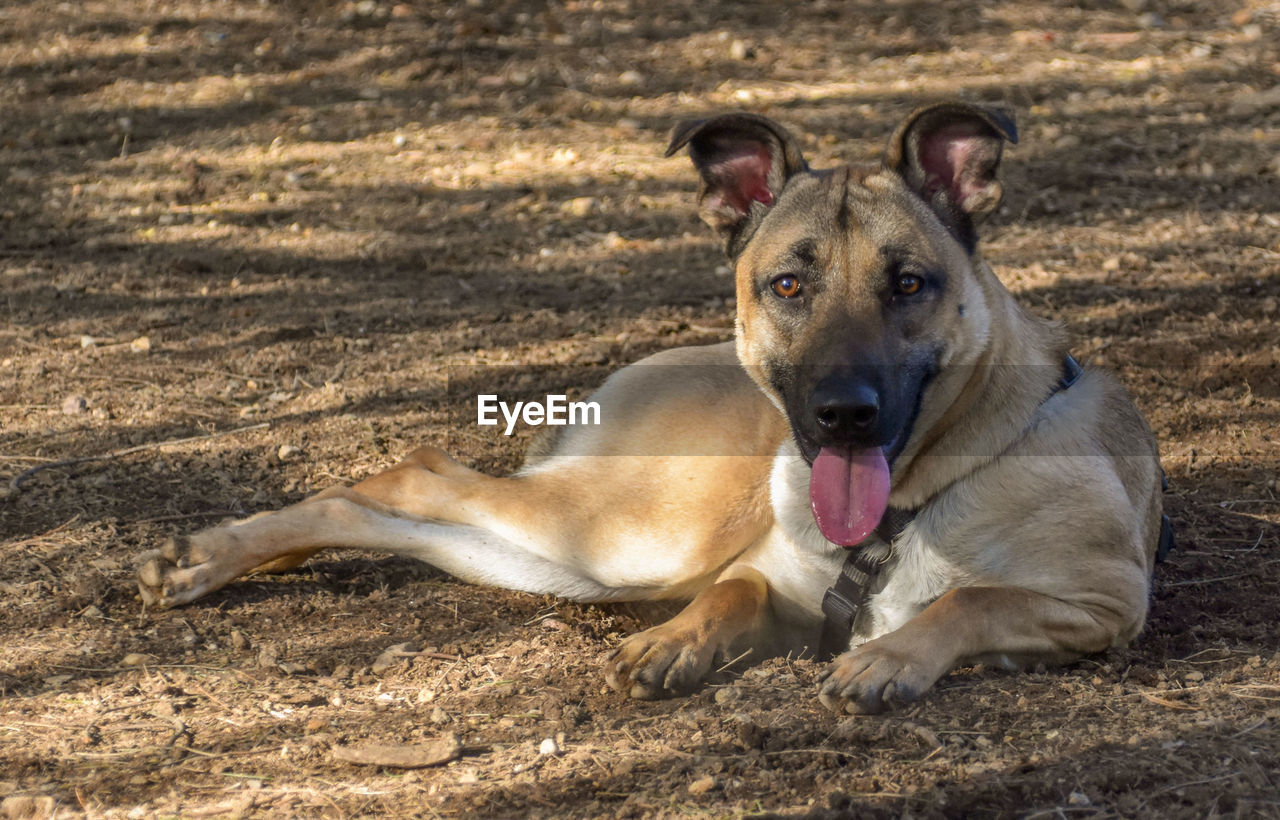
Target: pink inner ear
(958, 158)
(742, 176)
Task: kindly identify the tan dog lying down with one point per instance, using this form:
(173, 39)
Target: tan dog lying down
(879, 370)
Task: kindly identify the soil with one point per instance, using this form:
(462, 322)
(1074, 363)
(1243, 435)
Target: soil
(295, 224)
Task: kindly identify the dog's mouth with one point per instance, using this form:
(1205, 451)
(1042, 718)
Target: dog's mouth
(849, 486)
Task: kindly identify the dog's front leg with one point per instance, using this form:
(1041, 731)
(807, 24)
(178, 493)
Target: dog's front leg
(965, 623)
(674, 657)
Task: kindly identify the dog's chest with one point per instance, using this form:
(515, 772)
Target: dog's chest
(917, 573)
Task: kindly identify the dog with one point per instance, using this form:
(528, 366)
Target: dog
(887, 414)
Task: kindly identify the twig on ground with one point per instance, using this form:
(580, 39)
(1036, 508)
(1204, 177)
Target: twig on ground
(1189, 783)
(184, 516)
(732, 661)
(1194, 582)
(35, 539)
(16, 484)
(1168, 704)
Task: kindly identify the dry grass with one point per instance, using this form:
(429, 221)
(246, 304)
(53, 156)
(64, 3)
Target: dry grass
(317, 217)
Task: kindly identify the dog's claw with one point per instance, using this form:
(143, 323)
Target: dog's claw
(658, 663)
(639, 692)
(150, 575)
(152, 581)
(873, 678)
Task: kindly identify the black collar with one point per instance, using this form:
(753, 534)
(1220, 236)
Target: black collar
(848, 595)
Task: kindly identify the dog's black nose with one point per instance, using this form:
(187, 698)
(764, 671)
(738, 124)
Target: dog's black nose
(846, 409)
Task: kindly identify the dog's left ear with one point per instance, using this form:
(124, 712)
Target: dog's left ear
(744, 161)
(949, 154)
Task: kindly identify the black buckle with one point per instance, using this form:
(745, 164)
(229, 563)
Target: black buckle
(1071, 372)
(839, 610)
(843, 600)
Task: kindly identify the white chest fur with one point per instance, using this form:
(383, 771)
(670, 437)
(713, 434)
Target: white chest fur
(919, 573)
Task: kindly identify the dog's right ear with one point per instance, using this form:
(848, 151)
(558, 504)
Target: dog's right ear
(744, 160)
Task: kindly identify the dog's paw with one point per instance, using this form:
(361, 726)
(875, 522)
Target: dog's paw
(180, 571)
(874, 677)
(659, 663)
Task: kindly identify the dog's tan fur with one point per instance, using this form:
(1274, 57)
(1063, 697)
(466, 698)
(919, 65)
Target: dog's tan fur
(1038, 512)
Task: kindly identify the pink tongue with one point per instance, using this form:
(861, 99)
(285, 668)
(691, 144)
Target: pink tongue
(849, 491)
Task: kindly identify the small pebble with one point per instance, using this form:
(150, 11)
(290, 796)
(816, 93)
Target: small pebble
(268, 656)
(727, 694)
(393, 656)
(142, 344)
(702, 785)
(549, 746)
(136, 659)
(288, 451)
(73, 405)
(579, 205)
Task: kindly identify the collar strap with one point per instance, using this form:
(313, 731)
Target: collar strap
(845, 599)
(1071, 373)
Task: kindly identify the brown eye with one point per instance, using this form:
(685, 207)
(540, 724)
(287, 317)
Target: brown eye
(908, 284)
(786, 286)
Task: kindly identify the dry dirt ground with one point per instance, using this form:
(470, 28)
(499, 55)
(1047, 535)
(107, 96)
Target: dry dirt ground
(291, 223)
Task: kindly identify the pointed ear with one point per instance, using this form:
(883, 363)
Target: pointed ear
(949, 154)
(744, 160)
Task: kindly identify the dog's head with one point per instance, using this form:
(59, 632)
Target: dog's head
(855, 286)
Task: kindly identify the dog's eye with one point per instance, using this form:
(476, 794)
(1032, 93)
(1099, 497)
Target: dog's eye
(786, 286)
(908, 284)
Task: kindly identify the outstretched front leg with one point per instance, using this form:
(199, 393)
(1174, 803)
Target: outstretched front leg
(1006, 623)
